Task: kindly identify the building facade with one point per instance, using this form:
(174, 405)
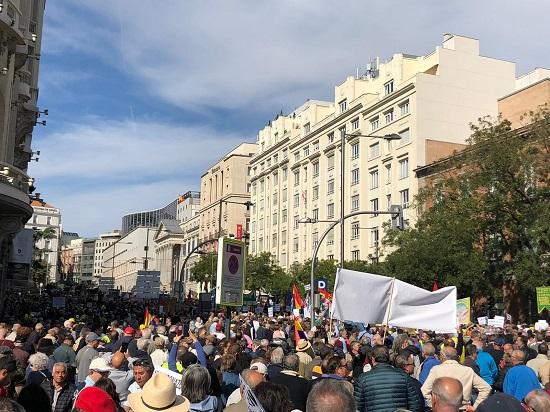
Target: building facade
(102, 242)
(123, 259)
(20, 45)
(428, 101)
(46, 216)
(225, 182)
(150, 218)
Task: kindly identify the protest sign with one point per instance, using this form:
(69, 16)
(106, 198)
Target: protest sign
(543, 298)
(463, 311)
(482, 320)
(252, 402)
(375, 299)
(270, 311)
(499, 321)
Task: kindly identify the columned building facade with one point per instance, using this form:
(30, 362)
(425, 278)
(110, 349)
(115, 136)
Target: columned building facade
(425, 102)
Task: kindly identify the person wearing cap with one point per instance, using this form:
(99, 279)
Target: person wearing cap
(92, 399)
(98, 369)
(85, 355)
(124, 342)
(219, 334)
(159, 394)
(302, 349)
(60, 389)
(65, 353)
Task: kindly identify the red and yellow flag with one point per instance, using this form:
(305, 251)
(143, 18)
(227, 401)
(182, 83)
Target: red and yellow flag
(325, 294)
(298, 331)
(298, 303)
(147, 317)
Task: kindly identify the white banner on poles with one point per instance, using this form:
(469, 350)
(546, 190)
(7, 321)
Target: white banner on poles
(375, 299)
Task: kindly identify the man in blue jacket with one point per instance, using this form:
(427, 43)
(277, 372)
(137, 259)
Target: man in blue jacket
(487, 367)
(520, 379)
(428, 351)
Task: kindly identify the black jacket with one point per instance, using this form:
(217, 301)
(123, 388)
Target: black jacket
(385, 389)
(66, 397)
(298, 387)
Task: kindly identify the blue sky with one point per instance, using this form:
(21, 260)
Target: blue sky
(144, 96)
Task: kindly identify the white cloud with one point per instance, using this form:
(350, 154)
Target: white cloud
(266, 54)
(100, 169)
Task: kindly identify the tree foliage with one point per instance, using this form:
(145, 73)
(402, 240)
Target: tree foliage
(39, 266)
(487, 230)
(264, 274)
(204, 270)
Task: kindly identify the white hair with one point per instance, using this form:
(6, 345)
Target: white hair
(38, 361)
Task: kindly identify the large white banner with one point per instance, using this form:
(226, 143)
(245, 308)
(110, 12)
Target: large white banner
(368, 298)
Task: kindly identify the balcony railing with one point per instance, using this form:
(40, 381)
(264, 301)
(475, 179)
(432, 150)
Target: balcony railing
(15, 177)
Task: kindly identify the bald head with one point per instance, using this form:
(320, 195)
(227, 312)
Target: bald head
(446, 394)
(252, 378)
(449, 353)
(118, 360)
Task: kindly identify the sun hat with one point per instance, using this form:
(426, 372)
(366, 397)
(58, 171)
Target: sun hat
(100, 365)
(90, 337)
(158, 394)
(92, 399)
(303, 345)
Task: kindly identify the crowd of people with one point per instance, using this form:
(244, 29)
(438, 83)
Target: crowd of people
(93, 363)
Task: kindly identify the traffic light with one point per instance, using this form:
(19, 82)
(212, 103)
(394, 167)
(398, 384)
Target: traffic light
(248, 204)
(397, 221)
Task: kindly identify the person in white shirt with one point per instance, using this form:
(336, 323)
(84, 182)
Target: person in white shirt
(159, 355)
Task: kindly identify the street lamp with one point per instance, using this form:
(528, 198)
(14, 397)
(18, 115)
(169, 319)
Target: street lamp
(343, 137)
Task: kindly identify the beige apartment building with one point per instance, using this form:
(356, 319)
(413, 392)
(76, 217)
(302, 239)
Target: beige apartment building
(429, 101)
(225, 182)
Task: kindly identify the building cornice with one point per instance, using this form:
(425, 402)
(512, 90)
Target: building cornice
(393, 96)
(270, 150)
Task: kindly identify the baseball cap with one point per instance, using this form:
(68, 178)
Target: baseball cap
(259, 367)
(100, 365)
(93, 399)
(129, 330)
(91, 337)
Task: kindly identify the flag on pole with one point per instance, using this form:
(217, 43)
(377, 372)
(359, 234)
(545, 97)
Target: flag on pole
(298, 303)
(299, 333)
(325, 294)
(147, 317)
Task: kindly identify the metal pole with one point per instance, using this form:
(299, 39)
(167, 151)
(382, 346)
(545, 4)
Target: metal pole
(113, 266)
(185, 262)
(342, 197)
(314, 257)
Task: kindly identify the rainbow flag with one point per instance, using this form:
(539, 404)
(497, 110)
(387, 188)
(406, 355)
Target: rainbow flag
(298, 331)
(298, 303)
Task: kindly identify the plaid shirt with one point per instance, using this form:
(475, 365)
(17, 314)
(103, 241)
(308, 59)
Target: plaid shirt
(66, 397)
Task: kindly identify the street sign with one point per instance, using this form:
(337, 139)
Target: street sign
(230, 276)
(321, 283)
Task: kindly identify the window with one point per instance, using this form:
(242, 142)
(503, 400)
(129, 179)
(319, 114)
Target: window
(273, 239)
(261, 244)
(355, 124)
(388, 201)
(404, 195)
(262, 186)
(296, 177)
(374, 205)
(330, 257)
(354, 230)
(285, 194)
(330, 161)
(316, 169)
(295, 245)
(275, 178)
(330, 211)
(330, 237)
(307, 128)
(284, 216)
(274, 219)
(388, 173)
(49, 221)
(330, 137)
(374, 179)
(35, 219)
(374, 237)
(316, 146)
(296, 200)
(283, 238)
(253, 226)
(355, 176)
(285, 174)
(330, 187)
(374, 150)
(275, 198)
(315, 214)
(374, 123)
(355, 203)
(296, 156)
(388, 116)
(315, 194)
(296, 219)
(405, 136)
(306, 151)
(315, 239)
(404, 108)
(388, 88)
(343, 105)
(403, 168)
(355, 151)
(355, 255)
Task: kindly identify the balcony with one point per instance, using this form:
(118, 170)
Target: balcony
(14, 183)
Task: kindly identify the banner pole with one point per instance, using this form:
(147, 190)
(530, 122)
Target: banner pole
(388, 313)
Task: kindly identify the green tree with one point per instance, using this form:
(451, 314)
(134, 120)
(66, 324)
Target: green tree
(264, 274)
(39, 266)
(204, 270)
(488, 229)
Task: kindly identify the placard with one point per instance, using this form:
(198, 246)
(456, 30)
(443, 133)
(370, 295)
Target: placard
(499, 321)
(482, 320)
(543, 298)
(231, 269)
(463, 311)
(270, 311)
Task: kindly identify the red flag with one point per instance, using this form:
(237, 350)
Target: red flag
(298, 303)
(325, 294)
(435, 286)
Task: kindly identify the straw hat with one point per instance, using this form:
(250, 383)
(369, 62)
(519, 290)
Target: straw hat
(159, 394)
(303, 345)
